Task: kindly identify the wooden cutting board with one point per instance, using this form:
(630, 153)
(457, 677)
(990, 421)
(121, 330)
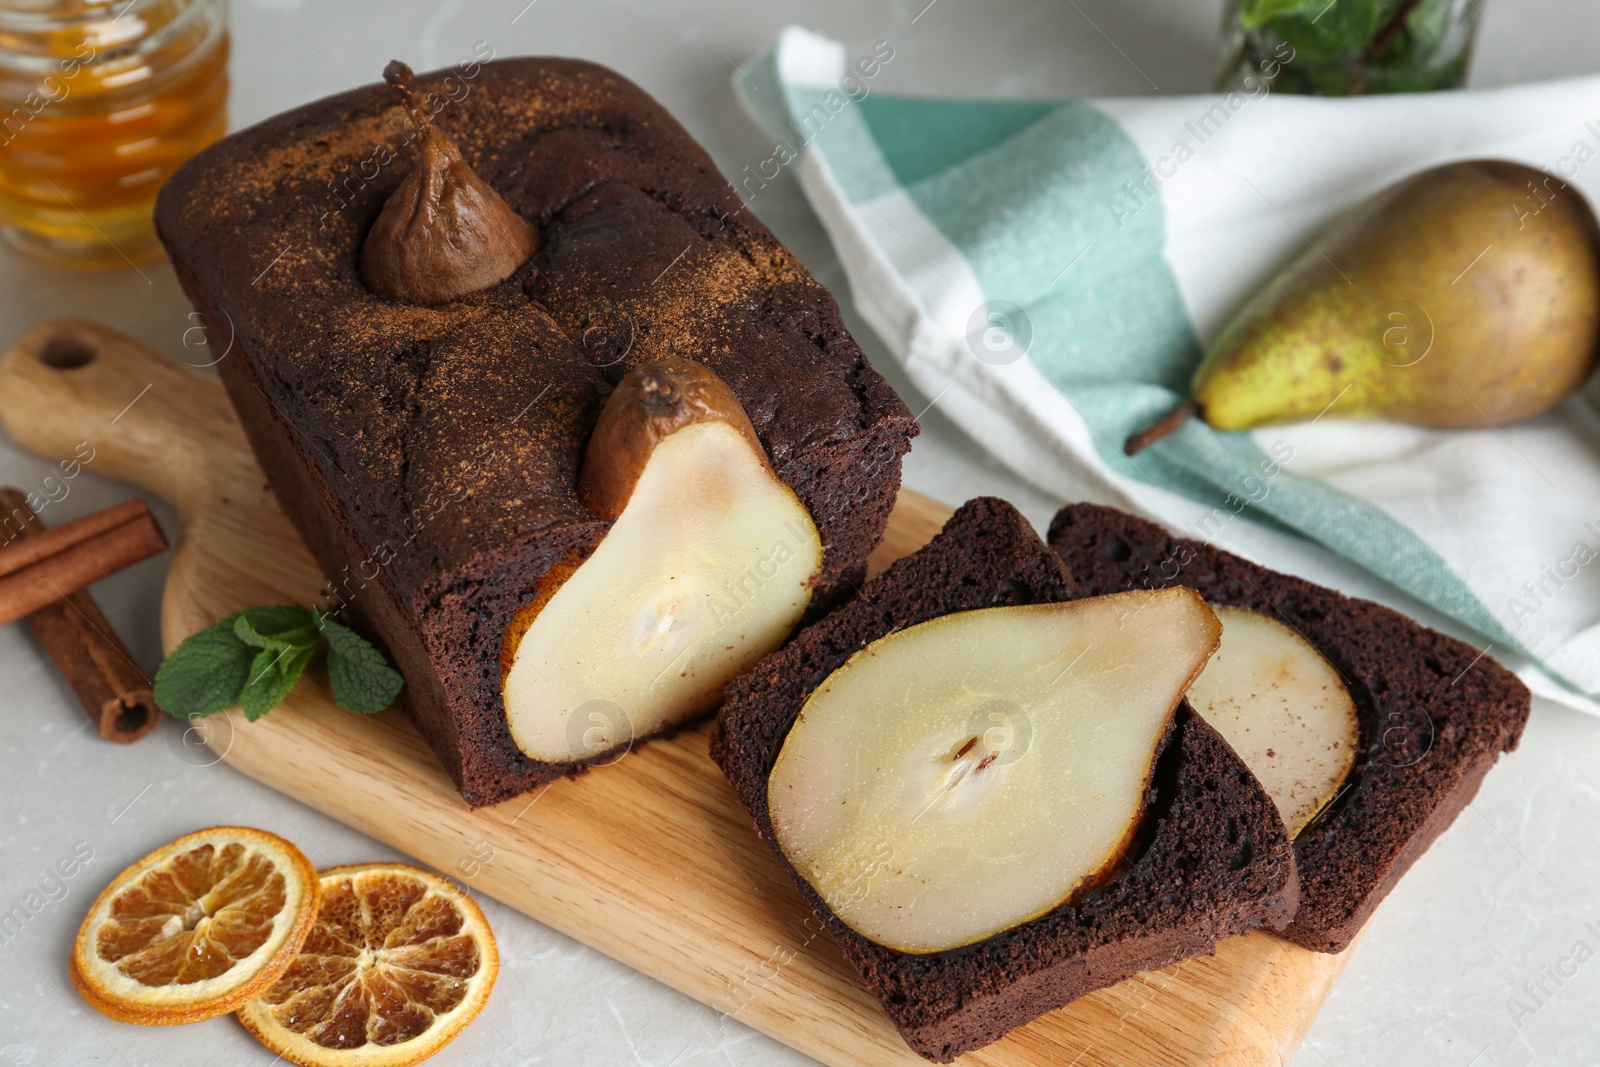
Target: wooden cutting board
(651, 860)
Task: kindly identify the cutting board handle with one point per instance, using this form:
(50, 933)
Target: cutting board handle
(72, 388)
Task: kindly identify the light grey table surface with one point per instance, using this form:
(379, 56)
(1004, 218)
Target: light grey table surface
(1501, 900)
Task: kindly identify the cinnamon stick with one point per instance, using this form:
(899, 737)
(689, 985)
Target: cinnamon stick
(26, 541)
(75, 633)
(39, 566)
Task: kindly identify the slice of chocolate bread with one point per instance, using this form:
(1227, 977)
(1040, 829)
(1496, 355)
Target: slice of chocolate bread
(428, 454)
(1434, 712)
(1212, 859)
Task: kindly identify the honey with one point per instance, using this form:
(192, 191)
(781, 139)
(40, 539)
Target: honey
(99, 104)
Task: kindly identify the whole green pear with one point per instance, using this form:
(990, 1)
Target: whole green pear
(1466, 295)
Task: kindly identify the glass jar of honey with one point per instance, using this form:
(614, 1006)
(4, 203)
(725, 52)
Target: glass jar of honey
(100, 102)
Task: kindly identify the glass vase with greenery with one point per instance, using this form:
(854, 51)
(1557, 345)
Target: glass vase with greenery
(1348, 47)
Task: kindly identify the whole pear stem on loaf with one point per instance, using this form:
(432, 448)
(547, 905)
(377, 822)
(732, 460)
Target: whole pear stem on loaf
(444, 232)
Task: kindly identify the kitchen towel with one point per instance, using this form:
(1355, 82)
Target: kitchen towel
(1048, 272)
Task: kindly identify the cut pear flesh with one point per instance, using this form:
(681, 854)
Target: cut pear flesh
(1283, 708)
(967, 774)
(708, 568)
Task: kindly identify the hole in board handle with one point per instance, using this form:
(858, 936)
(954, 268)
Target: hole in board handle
(66, 353)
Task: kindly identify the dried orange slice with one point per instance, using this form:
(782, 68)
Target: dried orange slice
(400, 960)
(197, 928)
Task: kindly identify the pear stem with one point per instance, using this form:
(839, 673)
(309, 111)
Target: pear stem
(1179, 415)
(399, 75)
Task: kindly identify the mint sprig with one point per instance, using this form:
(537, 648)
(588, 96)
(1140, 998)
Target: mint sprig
(1326, 31)
(1348, 47)
(252, 658)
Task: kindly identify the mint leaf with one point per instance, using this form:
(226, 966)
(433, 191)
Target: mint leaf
(205, 673)
(360, 676)
(1333, 30)
(287, 638)
(273, 672)
(276, 626)
(1254, 13)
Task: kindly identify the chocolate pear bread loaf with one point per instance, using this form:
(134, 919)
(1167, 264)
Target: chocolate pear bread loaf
(429, 451)
(1434, 713)
(1210, 860)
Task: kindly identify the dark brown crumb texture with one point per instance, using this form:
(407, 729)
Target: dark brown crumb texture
(429, 455)
(1213, 859)
(1435, 713)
